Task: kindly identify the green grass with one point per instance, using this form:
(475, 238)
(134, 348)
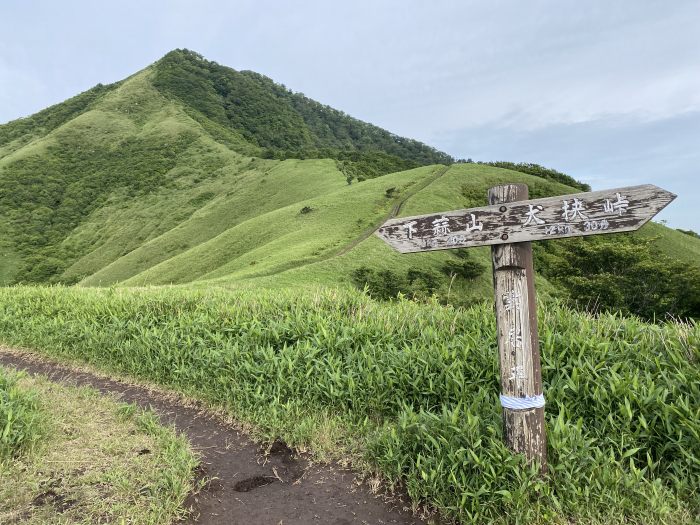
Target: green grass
(21, 417)
(65, 169)
(412, 389)
(233, 199)
(19, 132)
(84, 465)
(286, 237)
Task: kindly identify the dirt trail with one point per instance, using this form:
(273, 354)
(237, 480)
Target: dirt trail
(248, 488)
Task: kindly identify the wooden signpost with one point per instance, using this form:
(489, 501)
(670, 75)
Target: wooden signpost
(509, 223)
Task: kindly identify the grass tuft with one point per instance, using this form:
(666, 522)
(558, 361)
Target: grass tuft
(21, 417)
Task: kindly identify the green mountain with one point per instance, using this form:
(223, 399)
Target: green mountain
(189, 172)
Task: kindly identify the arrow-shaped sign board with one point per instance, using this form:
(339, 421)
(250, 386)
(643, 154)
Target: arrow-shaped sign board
(591, 213)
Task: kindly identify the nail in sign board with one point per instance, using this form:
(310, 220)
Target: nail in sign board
(591, 213)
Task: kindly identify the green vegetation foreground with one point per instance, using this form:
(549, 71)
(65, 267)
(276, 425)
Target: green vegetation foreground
(413, 388)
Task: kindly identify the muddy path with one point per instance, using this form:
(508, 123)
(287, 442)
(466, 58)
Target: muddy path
(247, 485)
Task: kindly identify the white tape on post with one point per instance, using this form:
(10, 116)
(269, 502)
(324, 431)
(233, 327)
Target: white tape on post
(522, 403)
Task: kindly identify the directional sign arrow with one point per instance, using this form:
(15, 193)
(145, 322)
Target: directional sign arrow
(590, 213)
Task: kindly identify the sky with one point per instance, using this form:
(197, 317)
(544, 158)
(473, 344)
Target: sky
(605, 91)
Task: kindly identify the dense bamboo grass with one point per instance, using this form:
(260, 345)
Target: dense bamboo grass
(412, 387)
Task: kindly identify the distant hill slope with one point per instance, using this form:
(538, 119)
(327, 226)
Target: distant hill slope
(160, 179)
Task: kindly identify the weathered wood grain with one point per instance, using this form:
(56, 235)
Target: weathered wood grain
(591, 213)
(518, 342)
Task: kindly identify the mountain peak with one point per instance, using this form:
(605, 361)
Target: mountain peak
(282, 123)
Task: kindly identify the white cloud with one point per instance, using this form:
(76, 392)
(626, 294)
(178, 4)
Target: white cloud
(533, 65)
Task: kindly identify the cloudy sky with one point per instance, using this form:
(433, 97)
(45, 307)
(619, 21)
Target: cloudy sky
(606, 91)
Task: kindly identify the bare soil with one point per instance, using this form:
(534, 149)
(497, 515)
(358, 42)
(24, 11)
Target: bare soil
(249, 483)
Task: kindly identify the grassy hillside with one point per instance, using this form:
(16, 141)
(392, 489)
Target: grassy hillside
(411, 389)
(291, 223)
(110, 151)
(206, 209)
(160, 179)
(138, 145)
(20, 132)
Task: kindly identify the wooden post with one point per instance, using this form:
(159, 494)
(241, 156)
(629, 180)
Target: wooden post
(518, 343)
